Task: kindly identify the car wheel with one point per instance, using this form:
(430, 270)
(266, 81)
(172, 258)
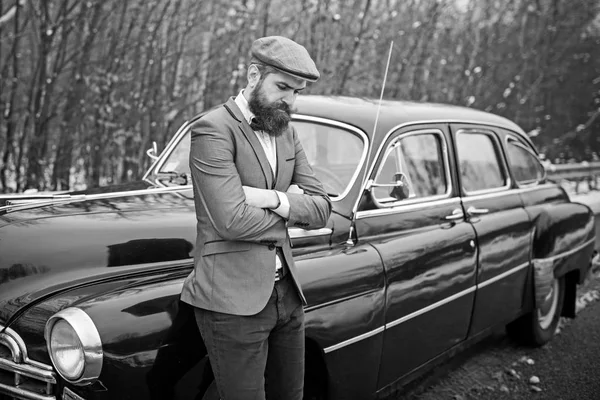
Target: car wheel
(538, 326)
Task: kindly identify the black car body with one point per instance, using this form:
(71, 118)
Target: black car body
(444, 225)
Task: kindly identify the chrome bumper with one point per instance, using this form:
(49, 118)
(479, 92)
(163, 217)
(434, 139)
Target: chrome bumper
(21, 377)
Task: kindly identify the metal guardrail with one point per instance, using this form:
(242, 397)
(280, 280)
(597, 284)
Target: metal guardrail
(585, 171)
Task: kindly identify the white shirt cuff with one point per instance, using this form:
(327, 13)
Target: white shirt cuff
(284, 207)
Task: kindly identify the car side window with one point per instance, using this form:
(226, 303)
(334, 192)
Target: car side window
(179, 158)
(479, 162)
(524, 164)
(413, 167)
(334, 154)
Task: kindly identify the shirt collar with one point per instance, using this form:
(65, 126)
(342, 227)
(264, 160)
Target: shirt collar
(244, 107)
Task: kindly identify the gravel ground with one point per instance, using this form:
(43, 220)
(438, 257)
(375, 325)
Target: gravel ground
(498, 369)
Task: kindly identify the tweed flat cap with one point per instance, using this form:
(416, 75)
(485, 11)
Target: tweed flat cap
(285, 55)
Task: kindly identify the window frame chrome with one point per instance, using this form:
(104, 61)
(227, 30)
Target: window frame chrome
(337, 124)
(516, 142)
(415, 200)
(158, 163)
(499, 155)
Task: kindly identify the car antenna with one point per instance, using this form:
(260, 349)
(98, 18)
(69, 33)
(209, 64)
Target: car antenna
(355, 209)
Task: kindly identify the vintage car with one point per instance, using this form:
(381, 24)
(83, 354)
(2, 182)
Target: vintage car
(444, 227)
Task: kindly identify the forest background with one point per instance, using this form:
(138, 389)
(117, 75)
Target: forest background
(87, 86)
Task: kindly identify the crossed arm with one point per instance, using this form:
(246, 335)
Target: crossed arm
(271, 199)
(243, 213)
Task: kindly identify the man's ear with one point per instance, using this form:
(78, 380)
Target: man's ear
(253, 75)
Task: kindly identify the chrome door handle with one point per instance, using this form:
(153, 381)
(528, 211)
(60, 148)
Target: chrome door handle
(477, 211)
(456, 214)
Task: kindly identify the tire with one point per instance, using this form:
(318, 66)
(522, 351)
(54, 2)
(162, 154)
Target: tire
(537, 327)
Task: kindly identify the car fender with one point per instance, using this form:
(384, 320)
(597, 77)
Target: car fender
(562, 243)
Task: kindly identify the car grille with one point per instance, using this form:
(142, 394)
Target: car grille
(20, 377)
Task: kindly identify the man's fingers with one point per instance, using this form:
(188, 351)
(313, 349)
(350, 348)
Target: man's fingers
(295, 189)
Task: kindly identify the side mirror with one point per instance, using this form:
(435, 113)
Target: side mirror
(401, 190)
(153, 151)
(400, 186)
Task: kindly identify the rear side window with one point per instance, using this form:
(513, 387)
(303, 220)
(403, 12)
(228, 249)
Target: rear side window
(524, 164)
(418, 160)
(480, 166)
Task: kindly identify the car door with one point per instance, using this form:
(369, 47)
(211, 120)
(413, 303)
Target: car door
(493, 206)
(427, 248)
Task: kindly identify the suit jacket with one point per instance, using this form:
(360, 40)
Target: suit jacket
(234, 265)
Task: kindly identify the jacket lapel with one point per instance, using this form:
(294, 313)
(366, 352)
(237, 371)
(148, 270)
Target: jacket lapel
(251, 137)
(285, 151)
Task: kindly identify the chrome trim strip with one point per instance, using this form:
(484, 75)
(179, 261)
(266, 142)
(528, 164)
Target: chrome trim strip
(296, 233)
(491, 195)
(354, 340)
(21, 366)
(89, 337)
(402, 208)
(430, 307)
(341, 300)
(8, 332)
(15, 350)
(28, 370)
(540, 186)
(447, 300)
(509, 192)
(399, 321)
(502, 275)
(99, 196)
(22, 393)
(566, 253)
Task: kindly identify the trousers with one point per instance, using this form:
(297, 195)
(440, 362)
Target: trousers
(260, 356)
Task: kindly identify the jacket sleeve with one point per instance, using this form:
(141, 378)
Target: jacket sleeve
(218, 187)
(310, 210)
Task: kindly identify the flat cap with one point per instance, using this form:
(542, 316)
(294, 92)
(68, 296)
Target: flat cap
(285, 55)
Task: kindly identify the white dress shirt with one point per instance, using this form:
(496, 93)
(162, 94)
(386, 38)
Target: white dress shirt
(270, 148)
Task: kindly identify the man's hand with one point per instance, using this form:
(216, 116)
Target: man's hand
(295, 189)
(261, 198)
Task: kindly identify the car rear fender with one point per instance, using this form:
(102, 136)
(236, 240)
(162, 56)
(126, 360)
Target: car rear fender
(562, 245)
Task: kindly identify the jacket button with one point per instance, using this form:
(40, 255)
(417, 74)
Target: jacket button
(271, 246)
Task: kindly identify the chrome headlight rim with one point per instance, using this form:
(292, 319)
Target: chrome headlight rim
(89, 337)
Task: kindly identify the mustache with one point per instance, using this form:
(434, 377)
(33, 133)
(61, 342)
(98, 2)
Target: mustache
(283, 106)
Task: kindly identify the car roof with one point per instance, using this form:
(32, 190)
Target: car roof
(361, 112)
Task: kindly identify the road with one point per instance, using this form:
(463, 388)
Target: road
(568, 368)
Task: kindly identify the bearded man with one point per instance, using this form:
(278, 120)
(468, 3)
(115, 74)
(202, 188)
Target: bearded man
(251, 181)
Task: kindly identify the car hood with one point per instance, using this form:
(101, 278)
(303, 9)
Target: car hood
(53, 247)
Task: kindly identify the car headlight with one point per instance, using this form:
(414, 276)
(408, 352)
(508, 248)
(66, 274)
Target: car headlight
(74, 345)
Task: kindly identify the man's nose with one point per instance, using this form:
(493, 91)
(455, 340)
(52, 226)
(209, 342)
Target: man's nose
(289, 99)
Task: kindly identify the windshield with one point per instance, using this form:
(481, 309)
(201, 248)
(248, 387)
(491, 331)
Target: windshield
(334, 154)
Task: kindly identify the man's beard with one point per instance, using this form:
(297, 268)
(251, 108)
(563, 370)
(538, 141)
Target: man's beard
(272, 118)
